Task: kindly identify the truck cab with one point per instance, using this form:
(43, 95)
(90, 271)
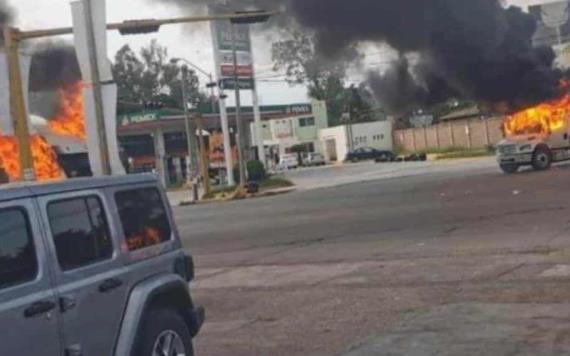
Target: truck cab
(537, 144)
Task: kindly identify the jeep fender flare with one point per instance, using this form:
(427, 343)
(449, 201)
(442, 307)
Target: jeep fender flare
(142, 297)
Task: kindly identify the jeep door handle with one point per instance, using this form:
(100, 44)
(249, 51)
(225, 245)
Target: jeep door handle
(39, 308)
(110, 284)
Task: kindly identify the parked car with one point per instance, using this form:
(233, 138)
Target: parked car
(93, 266)
(368, 153)
(289, 161)
(314, 159)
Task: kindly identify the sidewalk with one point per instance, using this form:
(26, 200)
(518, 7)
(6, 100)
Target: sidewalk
(178, 197)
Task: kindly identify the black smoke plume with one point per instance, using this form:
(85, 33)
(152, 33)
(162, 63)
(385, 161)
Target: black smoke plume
(54, 65)
(6, 17)
(474, 48)
(470, 48)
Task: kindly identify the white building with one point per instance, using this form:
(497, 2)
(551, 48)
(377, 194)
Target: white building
(297, 124)
(335, 141)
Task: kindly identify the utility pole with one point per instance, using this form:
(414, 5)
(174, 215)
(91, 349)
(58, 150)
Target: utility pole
(18, 104)
(192, 161)
(204, 162)
(240, 133)
(257, 120)
(97, 92)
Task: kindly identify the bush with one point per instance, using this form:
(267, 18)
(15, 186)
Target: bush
(256, 171)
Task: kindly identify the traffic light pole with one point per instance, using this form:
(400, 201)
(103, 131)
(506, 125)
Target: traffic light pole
(97, 91)
(192, 160)
(18, 104)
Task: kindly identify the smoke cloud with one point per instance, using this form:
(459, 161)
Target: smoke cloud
(6, 17)
(470, 48)
(54, 65)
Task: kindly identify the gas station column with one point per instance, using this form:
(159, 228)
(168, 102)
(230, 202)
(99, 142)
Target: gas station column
(160, 155)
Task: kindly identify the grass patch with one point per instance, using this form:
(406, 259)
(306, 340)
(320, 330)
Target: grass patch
(437, 151)
(275, 182)
(467, 153)
(269, 183)
(220, 192)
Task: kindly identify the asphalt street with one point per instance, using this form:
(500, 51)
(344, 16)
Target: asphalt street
(396, 265)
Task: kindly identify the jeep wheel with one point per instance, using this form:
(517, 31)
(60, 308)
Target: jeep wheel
(541, 159)
(509, 168)
(163, 333)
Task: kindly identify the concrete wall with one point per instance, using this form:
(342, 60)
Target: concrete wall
(374, 134)
(472, 133)
(338, 135)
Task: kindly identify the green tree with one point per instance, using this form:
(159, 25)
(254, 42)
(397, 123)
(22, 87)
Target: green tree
(150, 76)
(324, 78)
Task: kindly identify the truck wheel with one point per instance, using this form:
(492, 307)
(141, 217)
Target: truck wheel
(509, 168)
(163, 332)
(541, 159)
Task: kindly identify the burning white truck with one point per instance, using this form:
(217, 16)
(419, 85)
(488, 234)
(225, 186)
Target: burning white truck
(536, 137)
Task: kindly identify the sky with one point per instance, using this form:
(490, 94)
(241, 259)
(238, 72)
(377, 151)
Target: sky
(192, 42)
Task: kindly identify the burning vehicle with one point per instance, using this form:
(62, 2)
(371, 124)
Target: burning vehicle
(58, 143)
(536, 137)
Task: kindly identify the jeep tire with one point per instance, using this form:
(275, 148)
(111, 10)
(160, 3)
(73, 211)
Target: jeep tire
(163, 331)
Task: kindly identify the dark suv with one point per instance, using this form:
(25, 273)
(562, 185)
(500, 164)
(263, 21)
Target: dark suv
(93, 267)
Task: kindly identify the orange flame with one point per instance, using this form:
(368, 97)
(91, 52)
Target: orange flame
(542, 119)
(69, 121)
(44, 158)
(70, 118)
(150, 236)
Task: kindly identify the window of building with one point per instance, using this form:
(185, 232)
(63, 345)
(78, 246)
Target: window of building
(382, 136)
(18, 263)
(307, 121)
(80, 232)
(143, 217)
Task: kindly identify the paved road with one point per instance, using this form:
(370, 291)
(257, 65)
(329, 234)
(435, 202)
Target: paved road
(389, 266)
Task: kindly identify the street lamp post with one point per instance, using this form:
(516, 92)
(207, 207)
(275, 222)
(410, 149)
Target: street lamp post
(212, 85)
(192, 161)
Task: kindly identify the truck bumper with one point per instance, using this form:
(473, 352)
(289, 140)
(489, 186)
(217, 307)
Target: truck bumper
(525, 158)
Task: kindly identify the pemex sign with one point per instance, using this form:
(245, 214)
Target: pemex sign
(223, 34)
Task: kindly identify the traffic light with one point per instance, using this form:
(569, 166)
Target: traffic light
(137, 27)
(153, 105)
(262, 17)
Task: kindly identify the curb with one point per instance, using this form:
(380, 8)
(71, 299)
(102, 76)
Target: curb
(263, 194)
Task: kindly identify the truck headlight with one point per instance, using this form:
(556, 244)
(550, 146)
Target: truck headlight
(525, 148)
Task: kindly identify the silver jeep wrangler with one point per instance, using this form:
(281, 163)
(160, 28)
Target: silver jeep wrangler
(93, 267)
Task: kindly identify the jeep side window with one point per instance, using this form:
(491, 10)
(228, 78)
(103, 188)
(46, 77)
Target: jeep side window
(80, 232)
(18, 263)
(143, 217)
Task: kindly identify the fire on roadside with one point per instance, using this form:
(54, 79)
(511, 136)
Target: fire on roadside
(544, 118)
(44, 158)
(69, 121)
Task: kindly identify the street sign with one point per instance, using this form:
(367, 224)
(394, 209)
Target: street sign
(242, 71)
(244, 83)
(224, 36)
(222, 32)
